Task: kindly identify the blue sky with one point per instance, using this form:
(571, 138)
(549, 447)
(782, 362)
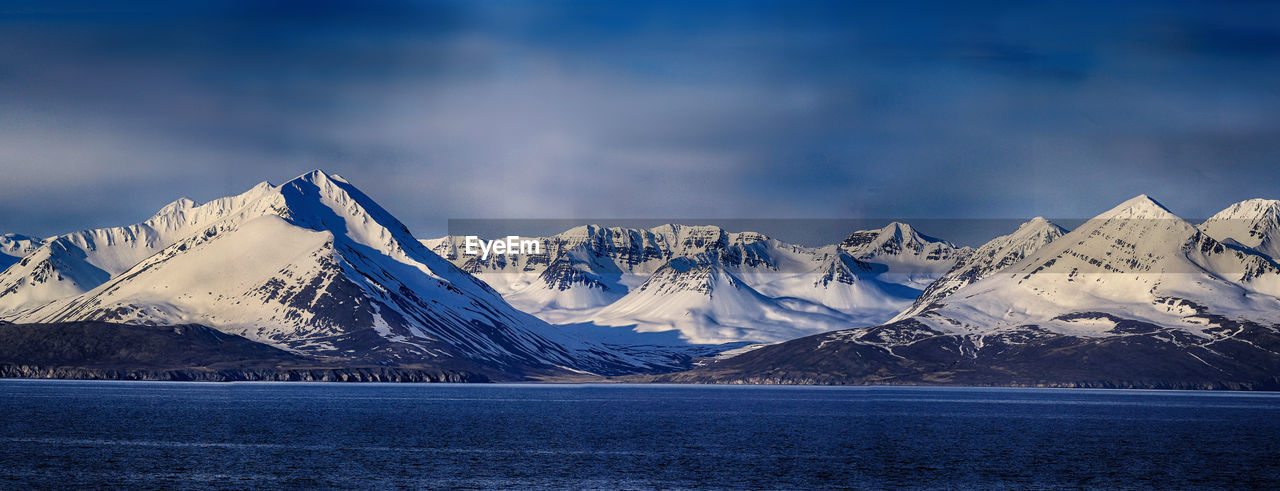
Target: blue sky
(590, 109)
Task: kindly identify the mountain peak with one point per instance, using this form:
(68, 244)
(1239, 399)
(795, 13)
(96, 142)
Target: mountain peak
(17, 237)
(316, 176)
(905, 251)
(898, 228)
(1039, 224)
(1250, 209)
(1253, 223)
(17, 243)
(588, 230)
(315, 180)
(678, 229)
(1143, 200)
(1138, 207)
(178, 205)
(894, 232)
(992, 257)
(14, 246)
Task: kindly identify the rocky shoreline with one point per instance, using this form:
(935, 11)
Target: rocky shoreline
(370, 374)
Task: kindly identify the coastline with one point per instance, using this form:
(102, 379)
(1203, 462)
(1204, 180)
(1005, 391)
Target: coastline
(374, 375)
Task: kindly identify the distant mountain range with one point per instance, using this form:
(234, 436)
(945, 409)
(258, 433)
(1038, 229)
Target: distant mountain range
(1135, 297)
(711, 285)
(330, 286)
(13, 247)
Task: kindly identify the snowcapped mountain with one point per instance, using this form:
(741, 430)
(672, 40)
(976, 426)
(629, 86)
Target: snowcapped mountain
(1136, 261)
(14, 246)
(313, 266)
(587, 266)
(720, 297)
(1136, 297)
(74, 263)
(1254, 224)
(750, 287)
(911, 258)
(994, 256)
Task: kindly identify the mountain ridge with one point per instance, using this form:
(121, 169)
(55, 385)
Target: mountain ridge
(1253, 224)
(594, 274)
(316, 267)
(1136, 297)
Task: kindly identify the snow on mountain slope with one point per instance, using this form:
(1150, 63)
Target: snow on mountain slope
(911, 258)
(698, 297)
(1254, 224)
(74, 263)
(316, 267)
(757, 292)
(609, 277)
(994, 256)
(1136, 297)
(830, 278)
(588, 266)
(13, 247)
(1137, 262)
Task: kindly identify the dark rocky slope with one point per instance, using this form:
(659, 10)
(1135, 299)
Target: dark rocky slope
(108, 351)
(1240, 356)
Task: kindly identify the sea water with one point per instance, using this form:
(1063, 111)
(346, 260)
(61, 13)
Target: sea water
(239, 435)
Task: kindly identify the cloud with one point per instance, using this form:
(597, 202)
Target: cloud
(652, 109)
